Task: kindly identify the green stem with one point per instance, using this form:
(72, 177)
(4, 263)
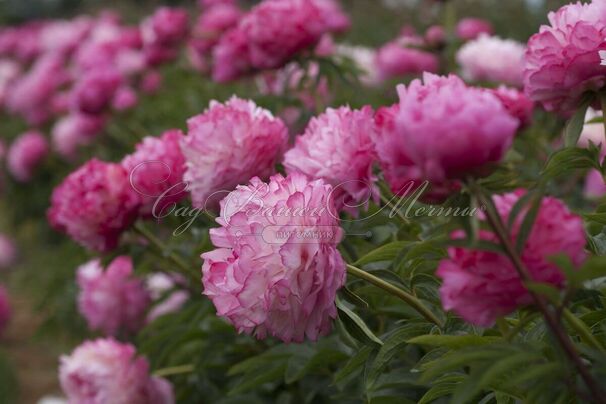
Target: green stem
(174, 370)
(395, 291)
(519, 326)
(582, 329)
(163, 249)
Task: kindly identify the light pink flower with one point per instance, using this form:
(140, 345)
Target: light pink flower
(9, 73)
(490, 58)
(164, 289)
(94, 92)
(112, 300)
(25, 154)
(471, 28)
(156, 171)
(593, 132)
(63, 36)
(212, 23)
(603, 57)
(482, 286)
(227, 145)
(8, 252)
(337, 147)
(94, 205)
(365, 59)
(266, 277)
(75, 130)
(516, 103)
(441, 131)
(30, 95)
(272, 33)
(5, 309)
(106, 371)
(594, 187)
(395, 60)
(562, 60)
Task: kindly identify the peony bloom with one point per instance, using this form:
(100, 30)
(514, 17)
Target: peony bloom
(471, 28)
(272, 33)
(9, 73)
(276, 269)
(482, 286)
(166, 27)
(5, 309)
(94, 92)
(562, 60)
(490, 58)
(396, 60)
(30, 94)
(25, 154)
(106, 371)
(516, 103)
(337, 147)
(164, 291)
(94, 205)
(227, 145)
(155, 172)
(75, 130)
(8, 252)
(441, 131)
(112, 300)
(213, 23)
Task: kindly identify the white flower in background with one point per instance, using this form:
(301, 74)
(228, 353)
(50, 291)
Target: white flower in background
(603, 57)
(365, 60)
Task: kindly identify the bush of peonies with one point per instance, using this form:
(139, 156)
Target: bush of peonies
(417, 220)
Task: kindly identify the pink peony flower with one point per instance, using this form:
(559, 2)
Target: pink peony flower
(227, 145)
(75, 130)
(516, 103)
(562, 60)
(603, 57)
(213, 23)
(94, 205)
(94, 92)
(337, 147)
(441, 131)
(204, 4)
(266, 276)
(396, 60)
(8, 252)
(471, 28)
(31, 93)
(106, 371)
(9, 73)
(593, 132)
(166, 27)
(156, 171)
(164, 290)
(25, 155)
(490, 58)
(482, 286)
(272, 33)
(5, 309)
(112, 300)
(595, 187)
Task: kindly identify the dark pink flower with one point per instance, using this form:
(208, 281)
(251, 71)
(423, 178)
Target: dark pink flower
(5, 309)
(516, 103)
(156, 171)
(482, 286)
(471, 28)
(94, 205)
(395, 60)
(94, 92)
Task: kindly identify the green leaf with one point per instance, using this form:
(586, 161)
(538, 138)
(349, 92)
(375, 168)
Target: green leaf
(441, 388)
(353, 298)
(547, 370)
(354, 364)
(571, 158)
(386, 252)
(394, 343)
(544, 289)
(453, 341)
(356, 326)
(574, 126)
(528, 222)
